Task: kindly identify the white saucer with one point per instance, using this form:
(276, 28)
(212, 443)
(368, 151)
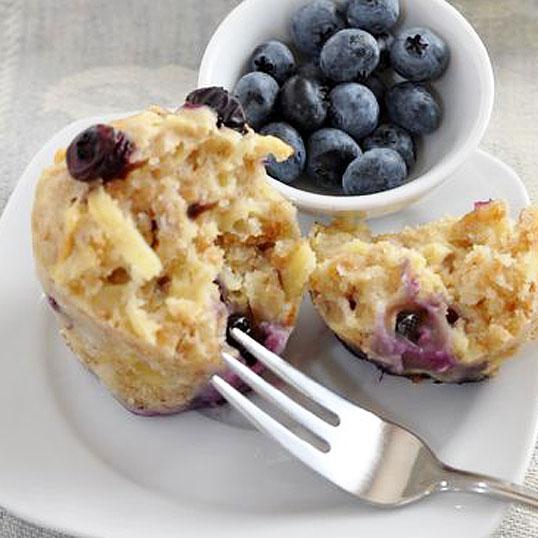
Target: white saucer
(73, 459)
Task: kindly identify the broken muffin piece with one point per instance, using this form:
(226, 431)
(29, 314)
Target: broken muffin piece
(450, 300)
(153, 233)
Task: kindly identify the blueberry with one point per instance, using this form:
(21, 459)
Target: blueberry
(393, 137)
(376, 85)
(413, 107)
(257, 93)
(312, 71)
(99, 152)
(385, 41)
(228, 108)
(419, 54)
(274, 58)
(246, 325)
(313, 23)
(376, 170)
(353, 109)
(452, 316)
(241, 322)
(289, 170)
(373, 15)
(329, 153)
(348, 55)
(341, 8)
(409, 324)
(303, 103)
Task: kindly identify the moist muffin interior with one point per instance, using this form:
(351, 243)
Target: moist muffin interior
(162, 257)
(450, 299)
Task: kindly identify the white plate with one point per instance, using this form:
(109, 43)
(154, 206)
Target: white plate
(73, 459)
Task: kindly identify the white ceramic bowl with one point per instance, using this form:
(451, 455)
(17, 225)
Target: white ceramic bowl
(466, 90)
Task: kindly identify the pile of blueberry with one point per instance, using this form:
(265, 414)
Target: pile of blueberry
(349, 95)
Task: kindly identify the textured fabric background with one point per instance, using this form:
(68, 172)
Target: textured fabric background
(62, 60)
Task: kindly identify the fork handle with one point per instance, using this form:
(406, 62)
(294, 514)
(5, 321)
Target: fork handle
(463, 481)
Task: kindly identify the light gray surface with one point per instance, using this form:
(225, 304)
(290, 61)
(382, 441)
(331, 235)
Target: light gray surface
(65, 59)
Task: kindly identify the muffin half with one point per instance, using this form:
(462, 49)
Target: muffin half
(450, 300)
(154, 233)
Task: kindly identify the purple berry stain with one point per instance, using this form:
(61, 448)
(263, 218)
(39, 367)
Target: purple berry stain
(53, 303)
(482, 203)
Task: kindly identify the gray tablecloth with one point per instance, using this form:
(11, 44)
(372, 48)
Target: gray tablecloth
(66, 59)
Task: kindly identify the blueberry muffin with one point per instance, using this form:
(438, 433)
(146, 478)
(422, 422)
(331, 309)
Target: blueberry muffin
(154, 234)
(450, 300)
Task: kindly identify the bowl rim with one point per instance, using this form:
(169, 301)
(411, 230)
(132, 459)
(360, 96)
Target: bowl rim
(408, 192)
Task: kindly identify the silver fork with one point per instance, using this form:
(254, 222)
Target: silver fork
(376, 460)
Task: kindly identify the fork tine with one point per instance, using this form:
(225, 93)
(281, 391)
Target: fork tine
(298, 447)
(316, 392)
(303, 416)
